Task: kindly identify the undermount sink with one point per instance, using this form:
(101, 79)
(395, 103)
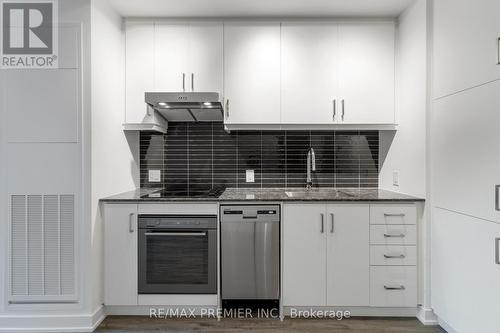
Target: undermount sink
(319, 193)
(292, 194)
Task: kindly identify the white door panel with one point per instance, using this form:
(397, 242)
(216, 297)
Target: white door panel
(309, 66)
(367, 72)
(466, 153)
(304, 255)
(171, 43)
(348, 255)
(139, 69)
(206, 57)
(120, 254)
(252, 72)
(465, 288)
(465, 44)
(51, 114)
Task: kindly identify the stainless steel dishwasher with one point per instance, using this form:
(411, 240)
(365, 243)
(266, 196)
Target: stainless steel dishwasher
(250, 237)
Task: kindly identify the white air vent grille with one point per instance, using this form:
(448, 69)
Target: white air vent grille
(42, 247)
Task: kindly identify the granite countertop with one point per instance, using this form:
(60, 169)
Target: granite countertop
(274, 194)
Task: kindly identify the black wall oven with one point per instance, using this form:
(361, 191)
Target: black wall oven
(177, 254)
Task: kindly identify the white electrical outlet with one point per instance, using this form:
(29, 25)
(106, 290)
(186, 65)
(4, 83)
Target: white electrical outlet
(250, 176)
(154, 176)
(395, 178)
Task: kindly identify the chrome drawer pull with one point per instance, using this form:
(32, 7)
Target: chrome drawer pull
(497, 249)
(394, 215)
(131, 222)
(394, 288)
(401, 256)
(395, 236)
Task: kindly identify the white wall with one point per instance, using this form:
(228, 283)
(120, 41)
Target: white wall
(406, 153)
(51, 317)
(114, 168)
(405, 150)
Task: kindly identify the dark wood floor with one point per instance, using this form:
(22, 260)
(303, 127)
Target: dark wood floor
(123, 324)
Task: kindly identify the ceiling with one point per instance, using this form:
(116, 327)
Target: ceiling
(252, 8)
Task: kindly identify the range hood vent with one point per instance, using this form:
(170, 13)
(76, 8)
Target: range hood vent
(192, 106)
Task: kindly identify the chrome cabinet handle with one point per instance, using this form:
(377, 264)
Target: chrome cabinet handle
(192, 81)
(227, 108)
(131, 222)
(334, 109)
(332, 229)
(184, 82)
(343, 109)
(175, 233)
(322, 223)
(395, 236)
(401, 256)
(394, 215)
(401, 287)
(497, 197)
(498, 51)
(497, 251)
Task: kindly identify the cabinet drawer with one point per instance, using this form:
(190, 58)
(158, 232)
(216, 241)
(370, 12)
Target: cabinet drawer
(393, 214)
(393, 286)
(393, 234)
(393, 255)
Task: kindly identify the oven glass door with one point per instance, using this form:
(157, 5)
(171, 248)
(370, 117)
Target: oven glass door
(177, 261)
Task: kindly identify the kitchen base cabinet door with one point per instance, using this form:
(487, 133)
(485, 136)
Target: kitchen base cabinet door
(348, 259)
(120, 254)
(304, 255)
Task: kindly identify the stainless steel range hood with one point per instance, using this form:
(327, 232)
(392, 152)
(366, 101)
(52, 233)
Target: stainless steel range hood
(186, 106)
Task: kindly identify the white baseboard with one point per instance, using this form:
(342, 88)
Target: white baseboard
(446, 327)
(359, 311)
(427, 316)
(52, 323)
(144, 310)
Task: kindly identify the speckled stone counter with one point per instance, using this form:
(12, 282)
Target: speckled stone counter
(274, 194)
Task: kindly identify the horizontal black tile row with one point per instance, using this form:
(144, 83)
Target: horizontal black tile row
(200, 155)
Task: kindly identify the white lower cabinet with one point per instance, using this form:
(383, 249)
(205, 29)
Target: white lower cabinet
(347, 258)
(304, 255)
(339, 255)
(325, 255)
(120, 254)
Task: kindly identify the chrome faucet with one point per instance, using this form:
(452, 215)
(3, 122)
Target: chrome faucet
(311, 166)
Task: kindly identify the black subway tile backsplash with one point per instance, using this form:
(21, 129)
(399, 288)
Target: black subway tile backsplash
(199, 155)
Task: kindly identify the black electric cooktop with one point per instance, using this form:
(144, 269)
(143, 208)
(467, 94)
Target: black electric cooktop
(173, 192)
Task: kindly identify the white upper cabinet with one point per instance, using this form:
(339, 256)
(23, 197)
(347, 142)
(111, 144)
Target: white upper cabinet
(171, 52)
(367, 67)
(171, 57)
(466, 50)
(252, 73)
(206, 57)
(188, 57)
(139, 68)
(309, 73)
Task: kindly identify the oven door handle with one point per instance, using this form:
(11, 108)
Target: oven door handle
(175, 234)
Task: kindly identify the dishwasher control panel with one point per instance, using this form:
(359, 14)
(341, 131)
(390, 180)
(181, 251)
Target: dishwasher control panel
(263, 213)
